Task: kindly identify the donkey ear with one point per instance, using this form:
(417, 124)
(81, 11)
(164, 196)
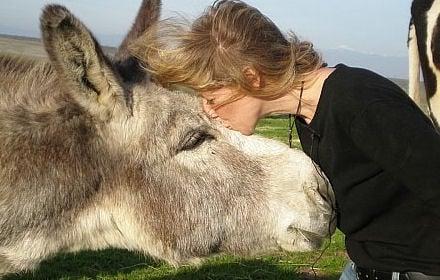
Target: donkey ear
(148, 14)
(128, 66)
(80, 62)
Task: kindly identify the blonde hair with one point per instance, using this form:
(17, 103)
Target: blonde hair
(214, 50)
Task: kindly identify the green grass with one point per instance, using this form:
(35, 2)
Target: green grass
(120, 264)
(277, 128)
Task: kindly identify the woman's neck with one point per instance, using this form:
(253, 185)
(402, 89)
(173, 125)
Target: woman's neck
(290, 102)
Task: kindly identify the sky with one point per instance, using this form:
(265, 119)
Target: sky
(367, 26)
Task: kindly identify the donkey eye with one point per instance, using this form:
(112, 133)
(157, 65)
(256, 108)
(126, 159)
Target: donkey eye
(194, 139)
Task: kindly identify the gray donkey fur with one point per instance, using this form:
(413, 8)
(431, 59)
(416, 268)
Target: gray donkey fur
(93, 155)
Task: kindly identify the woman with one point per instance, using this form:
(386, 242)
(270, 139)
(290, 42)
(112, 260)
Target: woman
(379, 151)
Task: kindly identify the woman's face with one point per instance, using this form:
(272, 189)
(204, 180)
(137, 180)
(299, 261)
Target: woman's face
(241, 115)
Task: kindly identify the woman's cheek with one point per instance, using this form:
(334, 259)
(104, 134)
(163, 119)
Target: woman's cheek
(224, 113)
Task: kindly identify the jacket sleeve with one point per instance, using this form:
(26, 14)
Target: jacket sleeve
(402, 140)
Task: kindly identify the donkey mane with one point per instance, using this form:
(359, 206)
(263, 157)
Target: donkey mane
(25, 80)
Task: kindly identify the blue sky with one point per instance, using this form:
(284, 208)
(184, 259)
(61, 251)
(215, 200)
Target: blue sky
(367, 26)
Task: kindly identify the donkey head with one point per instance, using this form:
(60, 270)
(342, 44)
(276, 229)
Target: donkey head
(182, 187)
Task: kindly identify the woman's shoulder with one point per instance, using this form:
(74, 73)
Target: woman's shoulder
(348, 91)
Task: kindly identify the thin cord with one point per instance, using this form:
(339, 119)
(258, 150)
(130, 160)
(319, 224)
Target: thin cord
(298, 110)
(332, 214)
(320, 173)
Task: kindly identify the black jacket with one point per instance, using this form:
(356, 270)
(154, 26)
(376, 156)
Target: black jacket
(382, 157)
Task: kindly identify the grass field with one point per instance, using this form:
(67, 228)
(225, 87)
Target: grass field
(120, 264)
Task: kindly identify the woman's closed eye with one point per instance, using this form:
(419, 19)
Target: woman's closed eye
(207, 107)
(210, 101)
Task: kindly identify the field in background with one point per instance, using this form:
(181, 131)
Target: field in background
(21, 46)
(18, 45)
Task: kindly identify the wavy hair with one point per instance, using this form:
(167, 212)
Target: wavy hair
(214, 50)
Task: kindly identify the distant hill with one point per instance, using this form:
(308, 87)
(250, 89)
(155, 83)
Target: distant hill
(20, 45)
(18, 37)
(388, 66)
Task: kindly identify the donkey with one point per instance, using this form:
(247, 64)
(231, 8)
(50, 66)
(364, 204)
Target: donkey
(94, 155)
(424, 52)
